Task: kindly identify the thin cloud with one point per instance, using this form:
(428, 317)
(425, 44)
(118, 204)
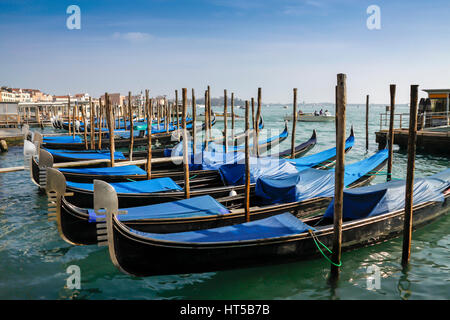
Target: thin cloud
(133, 36)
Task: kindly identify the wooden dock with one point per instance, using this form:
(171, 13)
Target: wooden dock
(427, 141)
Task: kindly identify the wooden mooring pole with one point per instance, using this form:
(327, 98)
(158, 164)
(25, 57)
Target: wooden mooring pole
(341, 103)
(225, 122)
(194, 121)
(185, 146)
(100, 123)
(68, 114)
(109, 114)
(92, 118)
(232, 117)
(206, 120)
(148, 112)
(83, 113)
(258, 115)
(130, 111)
(294, 123)
(391, 134)
(247, 164)
(407, 227)
(367, 122)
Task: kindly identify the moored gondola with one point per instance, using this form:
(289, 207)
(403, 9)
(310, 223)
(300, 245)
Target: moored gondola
(160, 138)
(131, 172)
(277, 239)
(142, 193)
(78, 225)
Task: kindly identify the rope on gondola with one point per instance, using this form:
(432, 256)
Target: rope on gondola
(317, 241)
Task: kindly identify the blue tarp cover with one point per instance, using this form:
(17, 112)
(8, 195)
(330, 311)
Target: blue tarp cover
(390, 196)
(312, 183)
(144, 186)
(281, 225)
(86, 154)
(316, 159)
(116, 171)
(193, 207)
(62, 139)
(220, 148)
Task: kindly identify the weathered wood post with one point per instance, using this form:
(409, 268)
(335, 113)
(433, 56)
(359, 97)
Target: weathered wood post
(148, 110)
(194, 123)
(247, 164)
(91, 118)
(258, 115)
(206, 120)
(83, 114)
(367, 122)
(391, 133)
(75, 109)
(225, 122)
(100, 123)
(68, 113)
(185, 146)
(253, 114)
(341, 102)
(130, 111)
(255, 142)
(294, 123)
(407, 228)
(232, 117)
(111, 128)
(176, 111)
(158, 116)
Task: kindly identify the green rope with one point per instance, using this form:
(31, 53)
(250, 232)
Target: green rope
(318, 247)
(131, 180)
(193, 176)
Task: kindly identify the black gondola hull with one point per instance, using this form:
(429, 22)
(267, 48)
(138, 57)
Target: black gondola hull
(142, 256)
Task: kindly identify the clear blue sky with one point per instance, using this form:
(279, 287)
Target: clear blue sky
(239, 45)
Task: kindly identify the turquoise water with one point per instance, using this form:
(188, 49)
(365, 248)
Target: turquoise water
(34, 259)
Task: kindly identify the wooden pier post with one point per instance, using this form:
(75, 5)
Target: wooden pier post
(294, 123)
(253, 113)
(407, 228)
(258, 115)
(148, 111)
(367, 122)
(176, 111)
(247, 164)
(232, 117)
(185, 146)
(206, 120)
(225, 124)
(92, 118)
(209, 114)
(83, 114)
(255, 142)
(75, 109)
(130, 112)
(391, 134)
(109, 113)
(194, 120)
(68, 113)
(100, 123)
(158, 115)
(341, 103)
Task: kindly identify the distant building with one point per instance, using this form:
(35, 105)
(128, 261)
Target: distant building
(63, 99)
(82, 97)
(6, 95)
(115, 98)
